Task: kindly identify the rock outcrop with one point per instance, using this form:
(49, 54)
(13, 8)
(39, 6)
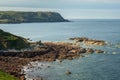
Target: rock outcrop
(88, 41)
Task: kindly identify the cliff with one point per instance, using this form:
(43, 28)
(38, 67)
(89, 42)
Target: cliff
(10, 41)
(25, 17)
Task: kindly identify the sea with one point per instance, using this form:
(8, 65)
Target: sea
(95, 66)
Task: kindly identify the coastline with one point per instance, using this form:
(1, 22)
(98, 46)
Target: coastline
(13, 62)
(15, 17)
(37, 22)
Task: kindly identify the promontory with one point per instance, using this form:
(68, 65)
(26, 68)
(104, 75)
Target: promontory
(28, 17)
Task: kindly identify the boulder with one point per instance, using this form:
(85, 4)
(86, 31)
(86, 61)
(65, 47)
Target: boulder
(90, 50)
(67, 72)
(99, 51)
(82, 50)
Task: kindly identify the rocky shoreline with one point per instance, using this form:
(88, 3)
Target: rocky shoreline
(88, 41)
(13, 62)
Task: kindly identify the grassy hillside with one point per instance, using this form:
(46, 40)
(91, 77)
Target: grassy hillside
(10, 41)
(19, 17)
(5, 76)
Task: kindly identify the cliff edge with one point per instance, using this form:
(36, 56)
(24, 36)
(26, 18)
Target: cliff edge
(27, 17)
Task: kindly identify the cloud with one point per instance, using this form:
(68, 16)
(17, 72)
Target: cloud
(68, 8)
(106, 1)
(25, 9)
(91, 14)
(63, 4)
(40, 2)
(74, 13)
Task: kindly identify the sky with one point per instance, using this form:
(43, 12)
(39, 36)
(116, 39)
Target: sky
(69, 9)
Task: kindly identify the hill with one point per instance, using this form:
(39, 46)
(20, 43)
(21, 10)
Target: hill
(26, 17)
(10, 41)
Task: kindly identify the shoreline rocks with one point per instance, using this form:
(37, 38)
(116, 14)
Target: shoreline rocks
(88, 41)
(12, 62)
(99, 51)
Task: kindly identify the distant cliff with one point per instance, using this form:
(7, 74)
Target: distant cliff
(10, 41)
(26, 17)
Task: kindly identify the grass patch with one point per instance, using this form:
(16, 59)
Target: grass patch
(10, 41)
(5, 76)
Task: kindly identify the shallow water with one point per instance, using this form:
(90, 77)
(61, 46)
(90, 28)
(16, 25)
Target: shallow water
(92, 67)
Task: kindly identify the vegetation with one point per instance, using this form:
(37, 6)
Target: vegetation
(5, 76)
(19, 17)
(10, 41)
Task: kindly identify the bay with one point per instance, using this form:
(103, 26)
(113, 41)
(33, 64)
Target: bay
(91, 67)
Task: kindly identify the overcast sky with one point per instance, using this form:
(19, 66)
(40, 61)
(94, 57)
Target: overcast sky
(83, 9)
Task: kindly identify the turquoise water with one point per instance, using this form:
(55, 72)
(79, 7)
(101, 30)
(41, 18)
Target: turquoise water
(92, 67)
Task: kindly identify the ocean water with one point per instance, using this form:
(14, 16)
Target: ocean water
(92, 67)
(97, 29)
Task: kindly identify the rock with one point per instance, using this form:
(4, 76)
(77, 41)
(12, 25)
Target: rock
(99, 51)
(82, 50)
(79, 39)
(95, 42)
(67, 72)
(22, 77)
(82, 55)
(88, 41)
(70, 58)
(90, 50)
(48, 66)
(59, 61)
(73, 51)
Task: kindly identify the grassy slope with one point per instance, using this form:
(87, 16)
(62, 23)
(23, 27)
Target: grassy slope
(18, 17)
(5, 76)
(10, 41)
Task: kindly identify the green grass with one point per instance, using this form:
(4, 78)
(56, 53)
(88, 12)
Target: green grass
(6, 36)
(10, 41)
(5, 76)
